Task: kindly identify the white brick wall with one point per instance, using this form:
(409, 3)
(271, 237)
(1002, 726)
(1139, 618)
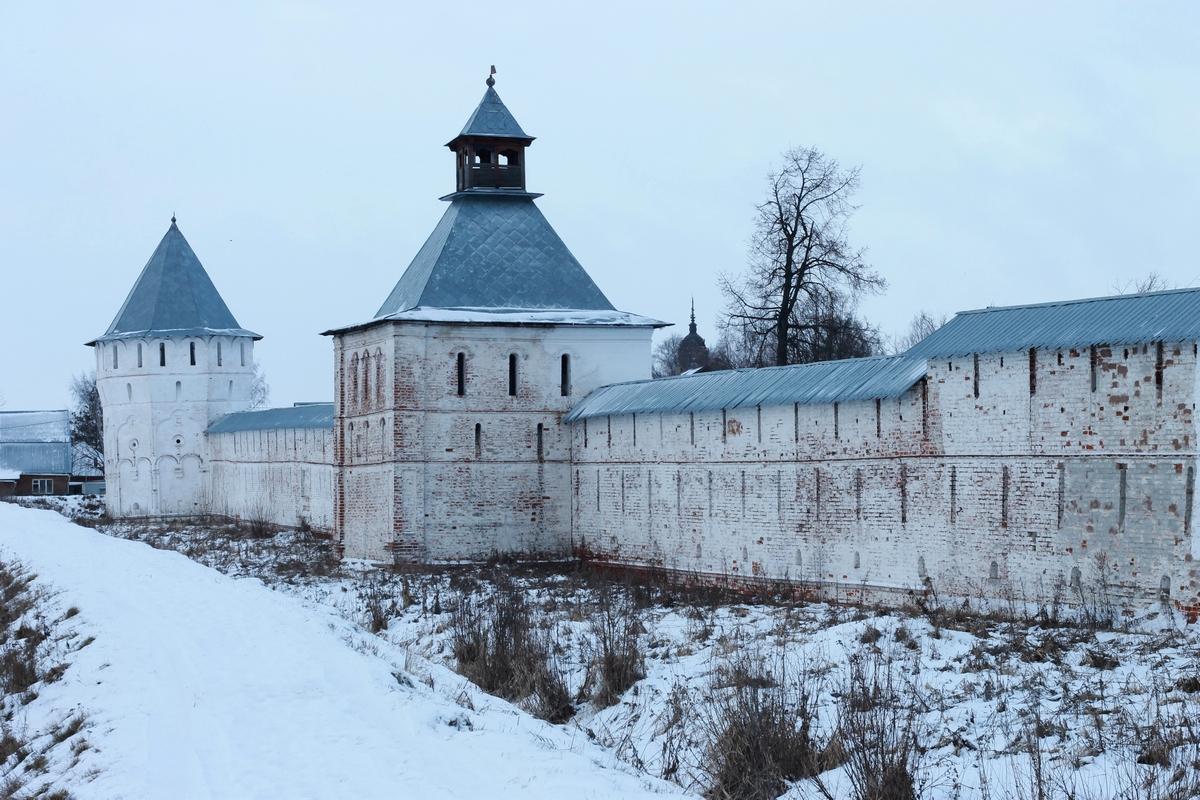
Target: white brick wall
(283, 476)
(777, 492)
(155, 416)
(411, 482)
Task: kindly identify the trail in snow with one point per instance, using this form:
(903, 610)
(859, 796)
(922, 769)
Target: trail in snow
(202, 686)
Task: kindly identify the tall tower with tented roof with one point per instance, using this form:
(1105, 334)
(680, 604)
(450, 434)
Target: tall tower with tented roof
(173, 360)
(449, 401)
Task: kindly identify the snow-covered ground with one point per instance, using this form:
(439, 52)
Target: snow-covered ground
(1001, 706)
(202, 685)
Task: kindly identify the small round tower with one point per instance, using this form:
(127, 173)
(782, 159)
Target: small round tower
(173, 360)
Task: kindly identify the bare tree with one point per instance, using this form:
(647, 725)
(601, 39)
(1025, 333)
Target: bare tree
(919, 327)
(829, 328)
(260, 392)
(666, 357)
(87, 421)
(1151, 282)
(800, 259)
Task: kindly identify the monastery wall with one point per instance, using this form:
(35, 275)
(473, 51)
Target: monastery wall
(278, 475)
(977, 480)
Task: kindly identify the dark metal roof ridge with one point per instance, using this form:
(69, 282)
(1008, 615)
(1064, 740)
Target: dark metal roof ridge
(484, 191)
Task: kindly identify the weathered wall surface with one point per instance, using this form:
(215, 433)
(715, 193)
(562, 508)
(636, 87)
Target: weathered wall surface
(283, 476)
(979, 480)
(427, 471)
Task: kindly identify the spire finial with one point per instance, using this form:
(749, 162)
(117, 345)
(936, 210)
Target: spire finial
(172, 217)
(693, 310)
(491, 80)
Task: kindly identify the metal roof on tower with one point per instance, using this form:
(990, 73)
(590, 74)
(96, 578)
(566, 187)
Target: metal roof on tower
(173, 295)
(494, 252)
(494, 258)
(492, 118)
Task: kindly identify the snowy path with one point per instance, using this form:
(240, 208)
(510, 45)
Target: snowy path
(203, 686)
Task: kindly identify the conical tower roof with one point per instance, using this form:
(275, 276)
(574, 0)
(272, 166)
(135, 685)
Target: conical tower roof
(492, 119)
(174, 296)
(492, 252)
(494, 258)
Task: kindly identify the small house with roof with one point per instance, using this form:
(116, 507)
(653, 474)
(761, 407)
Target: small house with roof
(35, 452)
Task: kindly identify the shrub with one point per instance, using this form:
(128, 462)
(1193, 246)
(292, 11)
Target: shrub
(878, 731)
(496, 648)
(618, 662)
(763, 732)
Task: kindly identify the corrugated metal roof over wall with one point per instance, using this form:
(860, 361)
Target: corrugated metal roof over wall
(1172, 316)
(807, 384)
(305, 415)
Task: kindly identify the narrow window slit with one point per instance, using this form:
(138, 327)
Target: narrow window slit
(1124, 472)
(1158, 371)
(953, 495)
(1004, 478)
(1062, 491)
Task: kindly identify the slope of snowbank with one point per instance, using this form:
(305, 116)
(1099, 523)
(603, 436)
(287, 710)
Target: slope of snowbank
(202, 686)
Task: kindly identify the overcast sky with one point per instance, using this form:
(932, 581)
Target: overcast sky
(1008, 156)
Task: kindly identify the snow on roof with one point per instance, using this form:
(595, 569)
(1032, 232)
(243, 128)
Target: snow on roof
(517, 316)
(35, 426)
(9, 473)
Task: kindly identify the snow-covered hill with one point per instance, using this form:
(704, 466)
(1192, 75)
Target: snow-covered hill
(200, 685)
